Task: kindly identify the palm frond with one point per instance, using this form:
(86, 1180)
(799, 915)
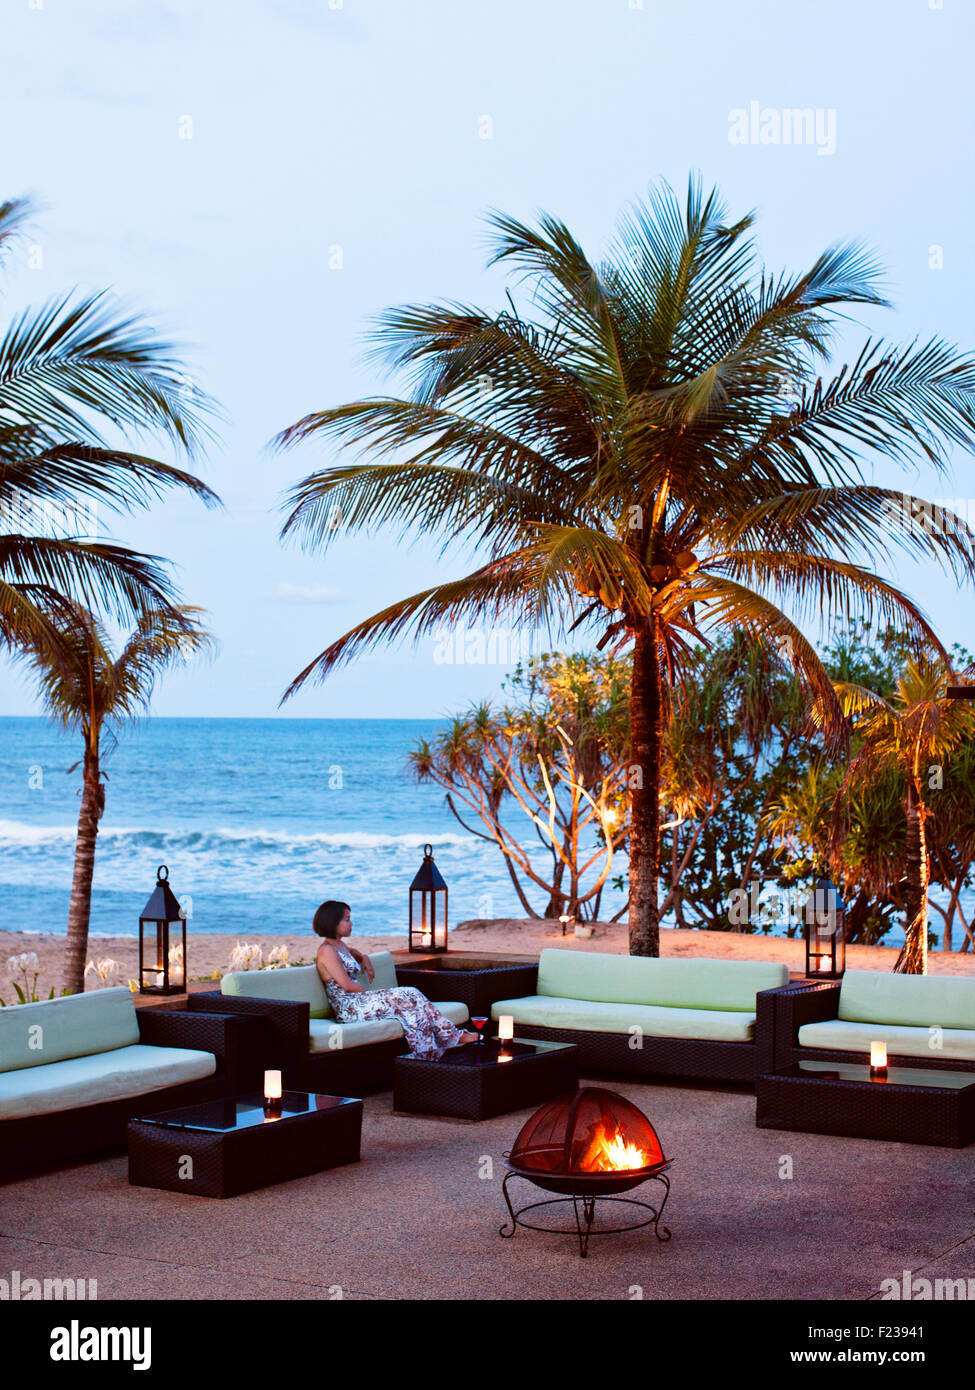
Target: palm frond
(862, 515)
(99, 573)
(905, 403)
(60, 474)
(78, 359)
(15, 213)
(857, 699)
(489, 593)
(824, 585)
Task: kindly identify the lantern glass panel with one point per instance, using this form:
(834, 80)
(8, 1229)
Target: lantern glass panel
(162, 941)
(825, 932)
(428, 907)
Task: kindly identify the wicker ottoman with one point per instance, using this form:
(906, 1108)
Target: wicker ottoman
(481, 1080)
(226, 1147)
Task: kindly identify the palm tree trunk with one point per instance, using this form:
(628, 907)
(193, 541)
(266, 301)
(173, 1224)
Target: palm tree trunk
(913, 959)
(644, 788)
(79, 909)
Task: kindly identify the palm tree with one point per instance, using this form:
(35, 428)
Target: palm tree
(651, 452)
(914, 733)
(91, 692)
(65, 368)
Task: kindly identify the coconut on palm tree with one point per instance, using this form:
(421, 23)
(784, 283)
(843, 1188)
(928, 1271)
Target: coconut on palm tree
(73, 373)
(92, 692)
(647, 453)
(915, 733)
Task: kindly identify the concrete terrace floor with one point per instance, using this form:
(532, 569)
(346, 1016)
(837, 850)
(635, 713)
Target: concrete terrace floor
(414, 1220)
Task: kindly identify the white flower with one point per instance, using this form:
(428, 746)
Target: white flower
(246, 957)
(104, 967)
(28, 961)
(277, 957)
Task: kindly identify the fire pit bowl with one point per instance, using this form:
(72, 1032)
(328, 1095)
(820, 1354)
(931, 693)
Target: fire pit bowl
(590, 1145)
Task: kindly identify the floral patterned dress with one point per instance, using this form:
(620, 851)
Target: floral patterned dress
(428, 1033)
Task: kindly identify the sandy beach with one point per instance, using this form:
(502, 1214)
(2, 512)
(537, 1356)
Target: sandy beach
(210, 954)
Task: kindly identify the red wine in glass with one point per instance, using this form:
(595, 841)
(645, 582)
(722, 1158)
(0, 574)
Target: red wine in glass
(479, 1024)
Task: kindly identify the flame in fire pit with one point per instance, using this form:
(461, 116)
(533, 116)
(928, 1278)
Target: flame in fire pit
(610, 1153)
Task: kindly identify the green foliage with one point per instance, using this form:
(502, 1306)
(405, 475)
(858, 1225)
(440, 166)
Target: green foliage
(27, 966)
(849, 815)
(69, 370)
(733, 743)
(553, 755)
(749, 792)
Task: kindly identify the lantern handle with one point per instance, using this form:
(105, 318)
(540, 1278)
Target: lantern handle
(428, 851)
(162, 873)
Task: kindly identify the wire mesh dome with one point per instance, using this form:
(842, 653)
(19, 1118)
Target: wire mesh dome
(593, 1140)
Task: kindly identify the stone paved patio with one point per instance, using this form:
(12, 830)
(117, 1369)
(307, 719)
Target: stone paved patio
(414, 1220)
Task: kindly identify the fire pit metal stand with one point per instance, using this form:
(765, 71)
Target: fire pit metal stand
(584, 1222)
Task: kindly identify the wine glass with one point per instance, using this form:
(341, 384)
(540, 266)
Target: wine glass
(479, 1024)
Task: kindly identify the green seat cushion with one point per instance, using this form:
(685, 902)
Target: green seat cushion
(457, 1013)
(694, 983)
(296, 982)
(113, 1075)
(327, 1035)
(919, 1001)
(656, 1021)
(33, 1035)
(840, 1035)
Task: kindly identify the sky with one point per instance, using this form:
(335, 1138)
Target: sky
(264, 176)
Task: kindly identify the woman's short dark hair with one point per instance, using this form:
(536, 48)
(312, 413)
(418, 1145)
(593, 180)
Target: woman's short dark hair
(328, 917)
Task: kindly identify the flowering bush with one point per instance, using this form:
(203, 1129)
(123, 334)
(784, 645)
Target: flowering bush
(246, 957)
(28, 967)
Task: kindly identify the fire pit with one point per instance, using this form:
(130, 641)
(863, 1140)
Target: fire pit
(588, 1146)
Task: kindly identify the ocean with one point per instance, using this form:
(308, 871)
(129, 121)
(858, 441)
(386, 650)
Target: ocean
(259, 820)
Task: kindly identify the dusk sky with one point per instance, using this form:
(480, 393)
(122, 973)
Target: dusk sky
(264, 176)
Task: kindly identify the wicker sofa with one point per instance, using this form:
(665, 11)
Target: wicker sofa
(709, 1019)
(925, 1020)
(313, 1051)
(74, 1070)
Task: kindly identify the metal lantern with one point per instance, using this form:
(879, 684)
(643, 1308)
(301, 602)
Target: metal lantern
(825, 932)
(162, 951)
(428, 907)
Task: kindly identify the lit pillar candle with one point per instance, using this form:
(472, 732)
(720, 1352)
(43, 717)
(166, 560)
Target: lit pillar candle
(272, 1093)
(506, 1028)
(878, 1059)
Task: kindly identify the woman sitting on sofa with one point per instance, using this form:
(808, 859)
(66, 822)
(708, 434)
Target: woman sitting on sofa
(428, 1033)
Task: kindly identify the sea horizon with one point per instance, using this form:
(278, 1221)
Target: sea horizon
(258, 818)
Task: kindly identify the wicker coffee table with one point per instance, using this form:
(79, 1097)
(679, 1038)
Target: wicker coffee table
(225, 1147)
(913, 1105)
(480, 1080)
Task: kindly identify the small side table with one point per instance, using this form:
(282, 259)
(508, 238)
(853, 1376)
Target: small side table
(914, 1105)
(225, 1147)
(480, 1080)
